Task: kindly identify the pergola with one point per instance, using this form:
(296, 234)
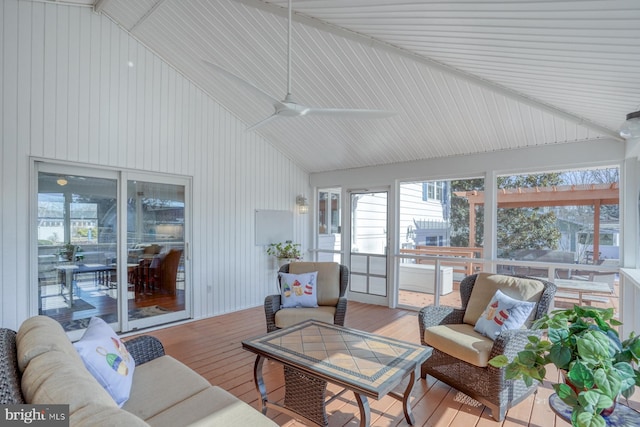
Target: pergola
(594, 195)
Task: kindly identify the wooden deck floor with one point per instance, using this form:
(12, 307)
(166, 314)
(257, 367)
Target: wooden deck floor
(213, 348)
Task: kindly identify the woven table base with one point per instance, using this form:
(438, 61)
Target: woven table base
(305, 395)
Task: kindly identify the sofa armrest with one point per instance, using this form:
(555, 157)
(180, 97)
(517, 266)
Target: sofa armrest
(10, 391)
(441, 315)
(144, 348)
(271, 305)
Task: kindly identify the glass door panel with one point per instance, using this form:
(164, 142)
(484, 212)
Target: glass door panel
(155, 252)
(77, 247)
(368, 255)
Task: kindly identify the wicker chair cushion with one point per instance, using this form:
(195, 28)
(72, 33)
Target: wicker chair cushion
(328, 279)
(290, 316)
(460, 341)
(486, 286)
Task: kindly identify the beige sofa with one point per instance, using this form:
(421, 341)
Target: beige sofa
(165, 392)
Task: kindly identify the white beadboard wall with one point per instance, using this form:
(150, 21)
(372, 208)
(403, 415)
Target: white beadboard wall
(68, 94)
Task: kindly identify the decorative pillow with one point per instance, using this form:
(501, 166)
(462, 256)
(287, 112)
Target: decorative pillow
(108, 360)
(299, 290)
(502, 313)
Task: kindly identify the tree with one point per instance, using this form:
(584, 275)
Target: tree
(460, 213)
(527, 228)
(521, 228)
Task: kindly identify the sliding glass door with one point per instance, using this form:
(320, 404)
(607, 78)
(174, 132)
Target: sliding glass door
(77, 245)
(155, 237)
(110, 244)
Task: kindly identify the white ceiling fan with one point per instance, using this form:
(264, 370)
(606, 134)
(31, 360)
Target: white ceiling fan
(288, 107)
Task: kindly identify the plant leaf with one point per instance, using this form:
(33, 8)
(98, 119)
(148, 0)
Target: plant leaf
(582, 418)
(595, 398)
(566, 394)
(499, 361)
(560, 356)
(581, 376)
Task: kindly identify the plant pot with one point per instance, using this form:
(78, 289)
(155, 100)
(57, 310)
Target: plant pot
(283, 261)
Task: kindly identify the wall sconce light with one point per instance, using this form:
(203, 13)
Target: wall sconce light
(62, 181)
(630, 129)
(303, 205)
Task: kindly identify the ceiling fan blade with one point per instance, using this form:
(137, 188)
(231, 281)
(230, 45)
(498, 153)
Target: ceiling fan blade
(349, 112)
(261, 122)
(257, 91)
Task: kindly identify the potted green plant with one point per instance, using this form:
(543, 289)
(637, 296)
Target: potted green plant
(285, 251)
(582, 343)
(68, 251)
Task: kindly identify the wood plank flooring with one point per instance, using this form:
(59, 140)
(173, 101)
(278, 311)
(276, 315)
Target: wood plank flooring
(212, 347)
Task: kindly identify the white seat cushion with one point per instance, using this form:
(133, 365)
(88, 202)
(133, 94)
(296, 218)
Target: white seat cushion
(286, 317)
(461, 342)
(211, 407)
(160, 384)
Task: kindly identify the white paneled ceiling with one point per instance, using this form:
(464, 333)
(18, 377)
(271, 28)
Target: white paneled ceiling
(463, 76)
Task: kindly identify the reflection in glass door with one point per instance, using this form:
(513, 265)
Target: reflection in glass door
(77, 246)
(155, 252)
(369, 244)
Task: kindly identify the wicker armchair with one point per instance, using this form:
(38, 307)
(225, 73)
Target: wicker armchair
(485, 383)
(333, 279)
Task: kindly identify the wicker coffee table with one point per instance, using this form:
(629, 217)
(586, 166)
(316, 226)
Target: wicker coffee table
(314, 353)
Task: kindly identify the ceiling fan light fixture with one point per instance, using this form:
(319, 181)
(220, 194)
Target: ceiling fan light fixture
(62, 181)
(630, 129)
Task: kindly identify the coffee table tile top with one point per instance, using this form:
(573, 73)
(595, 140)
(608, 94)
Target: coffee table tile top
(370, 361)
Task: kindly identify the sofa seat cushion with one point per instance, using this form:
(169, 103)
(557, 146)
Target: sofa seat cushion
(290, 316)
(160, 384)
(104, 416)
(211, 407)
(486, 286)
(461, 342)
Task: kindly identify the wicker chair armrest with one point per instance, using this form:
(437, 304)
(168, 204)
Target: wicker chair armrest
(441, 315)
(144, 348)
(511, 342)
(271, 305)
(432, 316)
(341, 311)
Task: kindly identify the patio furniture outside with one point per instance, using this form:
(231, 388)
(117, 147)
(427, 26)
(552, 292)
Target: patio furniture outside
(314, 353)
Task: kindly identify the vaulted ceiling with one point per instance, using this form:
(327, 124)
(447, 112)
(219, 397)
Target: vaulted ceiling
(462, 76)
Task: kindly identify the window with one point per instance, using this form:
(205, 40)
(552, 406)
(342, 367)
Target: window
(559, 216)
(329, 239)
(437, 213)
(329, 212)
(436, 218)
(433, 190)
